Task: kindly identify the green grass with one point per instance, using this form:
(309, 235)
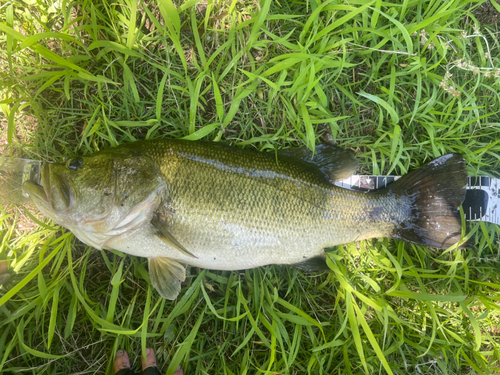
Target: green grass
(80, 76)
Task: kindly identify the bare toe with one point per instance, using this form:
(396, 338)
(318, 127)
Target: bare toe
(179, 371)
(121, 360)
(150, 359)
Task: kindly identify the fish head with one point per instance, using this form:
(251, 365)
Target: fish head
(99, 196)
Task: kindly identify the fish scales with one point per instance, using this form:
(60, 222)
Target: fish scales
(234, 209)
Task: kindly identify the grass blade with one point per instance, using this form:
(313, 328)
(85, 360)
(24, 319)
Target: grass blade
(35, 272)
(335, 25)
(203, 132)
(369, 334)
(392, 112)
(53, 315)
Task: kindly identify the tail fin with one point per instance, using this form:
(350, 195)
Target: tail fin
(436, 191)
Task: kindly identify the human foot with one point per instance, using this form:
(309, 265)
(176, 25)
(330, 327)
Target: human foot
(151, 362)
(150, 359)
(122, 361)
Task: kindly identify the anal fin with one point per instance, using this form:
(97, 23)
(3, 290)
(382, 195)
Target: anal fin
(316, 264)
(166, 276)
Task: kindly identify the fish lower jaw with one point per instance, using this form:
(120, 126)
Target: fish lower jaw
(96, 240)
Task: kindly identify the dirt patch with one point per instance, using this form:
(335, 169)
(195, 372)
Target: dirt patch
(487, 14)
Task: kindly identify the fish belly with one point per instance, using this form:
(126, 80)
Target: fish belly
(231, 249)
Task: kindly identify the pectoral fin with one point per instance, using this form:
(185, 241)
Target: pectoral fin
(166, 236)
(166, 276)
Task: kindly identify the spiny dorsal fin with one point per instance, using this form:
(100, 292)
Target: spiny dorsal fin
(166, 236)
(166, 276)
(331, 162)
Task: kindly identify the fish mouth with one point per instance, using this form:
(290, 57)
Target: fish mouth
(36, 191)
(54, 192)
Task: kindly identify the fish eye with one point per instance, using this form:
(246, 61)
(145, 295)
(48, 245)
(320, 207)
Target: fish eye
(75, 164)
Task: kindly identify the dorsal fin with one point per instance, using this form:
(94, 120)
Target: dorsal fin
(333, 163)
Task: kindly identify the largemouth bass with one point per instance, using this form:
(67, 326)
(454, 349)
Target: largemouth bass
(214, 206)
